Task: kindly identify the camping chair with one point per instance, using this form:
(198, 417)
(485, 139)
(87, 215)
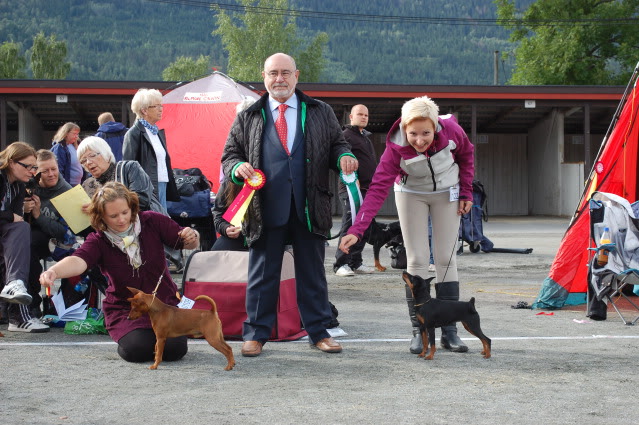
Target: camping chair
(608, 282)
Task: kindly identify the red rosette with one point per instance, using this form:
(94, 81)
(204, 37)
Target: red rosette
(257, 180)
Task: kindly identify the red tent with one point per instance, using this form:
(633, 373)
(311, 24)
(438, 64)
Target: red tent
(197, 118)
(614, 171)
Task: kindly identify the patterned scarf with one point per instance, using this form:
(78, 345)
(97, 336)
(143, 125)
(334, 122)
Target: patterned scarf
(128, 242)
(151, 127)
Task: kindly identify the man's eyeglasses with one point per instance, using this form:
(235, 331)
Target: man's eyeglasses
(27, 166)
(285, 74)
(90, 156)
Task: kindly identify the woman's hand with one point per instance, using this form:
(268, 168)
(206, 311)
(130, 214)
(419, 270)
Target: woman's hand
(35, 211)
(85, 208)
(464, 207)
(190, 237)
(47, 278)
(347, 241)
(233, 232)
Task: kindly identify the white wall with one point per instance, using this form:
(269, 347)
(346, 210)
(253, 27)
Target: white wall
(545, 155)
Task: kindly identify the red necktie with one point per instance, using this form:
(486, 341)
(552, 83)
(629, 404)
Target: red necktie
(280, 126)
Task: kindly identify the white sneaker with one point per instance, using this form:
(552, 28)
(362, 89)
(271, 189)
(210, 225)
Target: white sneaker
(15, 292)
(364, 269)
(431, 268)
(345, 270)
(33, 326)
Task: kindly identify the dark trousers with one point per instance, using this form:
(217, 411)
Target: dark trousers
(139, 346)
(224, 243)
(15, 240)
(354, 257)
(265, 266)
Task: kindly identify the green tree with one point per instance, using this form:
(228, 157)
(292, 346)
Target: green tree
(48, 58)
(573, 42)
(12, 63)
(186, 68)
(262, 30)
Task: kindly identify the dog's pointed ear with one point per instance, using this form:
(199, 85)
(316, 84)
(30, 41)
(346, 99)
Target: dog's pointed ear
(133, 290)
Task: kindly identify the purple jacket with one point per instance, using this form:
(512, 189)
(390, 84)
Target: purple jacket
(389, 170)
(156, 231)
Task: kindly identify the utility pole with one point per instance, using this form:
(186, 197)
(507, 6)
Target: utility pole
(496, 68)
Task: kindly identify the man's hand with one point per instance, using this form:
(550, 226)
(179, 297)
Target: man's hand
(348, 164)
(244, 171)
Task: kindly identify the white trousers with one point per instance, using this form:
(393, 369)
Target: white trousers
(413, 210)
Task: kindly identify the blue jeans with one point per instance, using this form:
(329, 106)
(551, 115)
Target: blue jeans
(162, 193)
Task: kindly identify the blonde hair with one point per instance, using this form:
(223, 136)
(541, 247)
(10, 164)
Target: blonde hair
(65, 129)
(143, 99)
(419, 109)
(105, 117)
(15, 152)
(109, 193)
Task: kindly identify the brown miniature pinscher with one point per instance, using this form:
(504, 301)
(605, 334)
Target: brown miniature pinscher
(171, 322)
(433, 313)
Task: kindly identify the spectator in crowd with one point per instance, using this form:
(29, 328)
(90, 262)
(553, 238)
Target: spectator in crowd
(97, 158)
(112, 132)
(294, 139)
(146, 144)
(65, 146)
(46, 222)
(231, 238)
(17, 167)
(362, 147)
(122, 230)
(430, 162)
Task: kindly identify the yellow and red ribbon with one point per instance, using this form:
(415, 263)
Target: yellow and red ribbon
(235, 212)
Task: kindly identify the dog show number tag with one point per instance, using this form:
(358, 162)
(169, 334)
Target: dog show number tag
(186, 303)
(454, 193)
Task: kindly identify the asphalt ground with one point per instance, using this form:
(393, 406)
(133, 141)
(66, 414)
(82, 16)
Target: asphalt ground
(545, 369)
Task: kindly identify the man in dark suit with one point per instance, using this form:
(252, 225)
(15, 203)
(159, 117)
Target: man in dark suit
(294, 139)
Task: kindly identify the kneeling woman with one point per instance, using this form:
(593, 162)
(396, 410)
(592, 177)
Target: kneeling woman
(128, 246)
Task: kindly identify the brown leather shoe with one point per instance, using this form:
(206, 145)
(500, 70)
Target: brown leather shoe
(329, 345)
(251, 348)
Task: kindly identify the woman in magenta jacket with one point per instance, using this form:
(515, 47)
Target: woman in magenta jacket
(430, 162)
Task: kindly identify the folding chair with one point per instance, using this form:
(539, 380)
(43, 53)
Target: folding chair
(609, 281)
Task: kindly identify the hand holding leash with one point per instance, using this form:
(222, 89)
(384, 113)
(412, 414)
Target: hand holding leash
(347, 241)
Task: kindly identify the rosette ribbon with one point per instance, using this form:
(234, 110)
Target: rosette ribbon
(235, 212)
(354, 195)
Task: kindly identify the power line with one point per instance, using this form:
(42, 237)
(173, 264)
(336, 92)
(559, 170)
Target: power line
(400, 19)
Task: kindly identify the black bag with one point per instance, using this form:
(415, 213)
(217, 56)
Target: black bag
(398, 256)
(187, 185)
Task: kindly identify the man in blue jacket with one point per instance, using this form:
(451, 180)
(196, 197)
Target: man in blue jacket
(112, 132)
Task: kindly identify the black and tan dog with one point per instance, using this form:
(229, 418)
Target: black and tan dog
(383, 234)
(433, 313)
(170, 322)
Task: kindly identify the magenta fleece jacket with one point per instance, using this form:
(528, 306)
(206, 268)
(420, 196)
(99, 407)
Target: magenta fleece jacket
(388, 170)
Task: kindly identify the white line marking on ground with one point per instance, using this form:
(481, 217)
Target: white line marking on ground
(363, 340)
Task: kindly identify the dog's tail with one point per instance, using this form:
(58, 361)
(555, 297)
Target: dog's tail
(472, 305)
(210, 300)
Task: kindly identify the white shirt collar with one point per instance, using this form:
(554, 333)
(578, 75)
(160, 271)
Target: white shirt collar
(291, 102)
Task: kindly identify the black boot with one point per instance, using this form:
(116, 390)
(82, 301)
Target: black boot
(449, 339)
(416, 345)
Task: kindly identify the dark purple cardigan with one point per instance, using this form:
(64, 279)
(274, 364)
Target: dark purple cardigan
(156, 231)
